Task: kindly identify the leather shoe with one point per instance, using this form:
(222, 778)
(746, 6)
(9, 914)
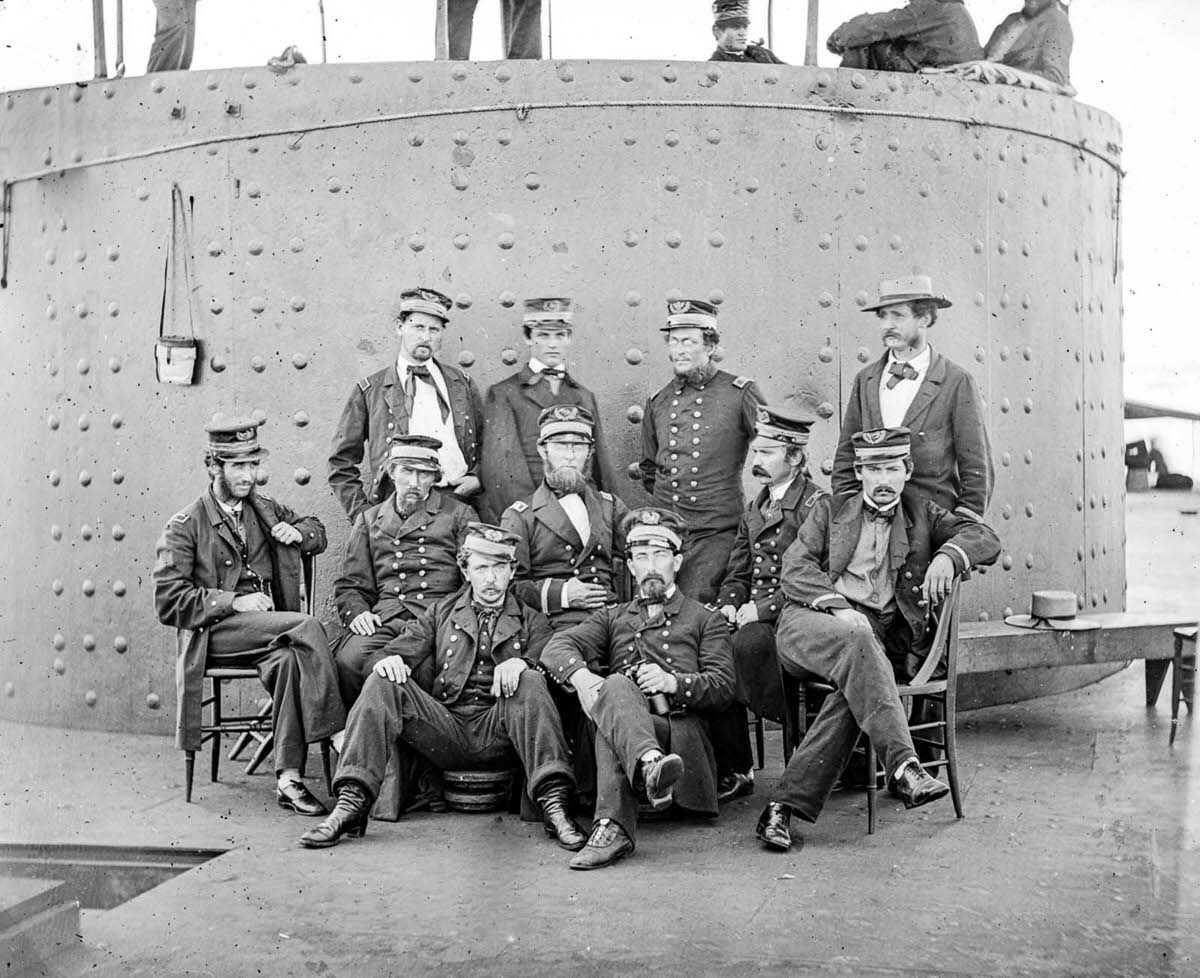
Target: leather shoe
(774, 826)
(296, 796)
(659, 777)
(607, 844)
(556, 819)
(735, 786)
(915, 786)
(349, 817)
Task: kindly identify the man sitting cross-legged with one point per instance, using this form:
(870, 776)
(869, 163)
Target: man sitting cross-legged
(460, 684)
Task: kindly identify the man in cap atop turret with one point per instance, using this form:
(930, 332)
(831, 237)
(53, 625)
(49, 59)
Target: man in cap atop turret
(914, 386)
(695, 435)
(511, 459)
(229, 576)
(749, 597)
(416, 395)
(646, 673)
(402, 556)
(731, 26)
(921, 34)
(460, 684)
(862, 579)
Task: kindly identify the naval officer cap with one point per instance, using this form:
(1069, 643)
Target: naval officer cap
(881, 445)
(690, 312)
(418, 452)
(787, 425)
(234, 439)
(429, 301)
(908, 289)
(491, 541)
(731, 13)
(560, 420)
(554, 311)
(651, 527)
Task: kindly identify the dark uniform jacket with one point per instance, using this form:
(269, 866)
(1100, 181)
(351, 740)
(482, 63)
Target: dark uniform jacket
(951, 451)
(694, 443)
(440, 644)
(686, 639)
(375, 412)
(934, 33)
(511, 465)
(1043, 47)
(826, 543)
(758, 549)
(196, 575)
(399, 567)
(550, 552)
(754, 54)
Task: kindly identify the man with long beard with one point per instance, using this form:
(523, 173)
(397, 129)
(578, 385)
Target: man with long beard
(400, 559)
(645, 673)
(228, 576)
(695, 435)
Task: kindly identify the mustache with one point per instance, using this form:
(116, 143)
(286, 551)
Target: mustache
(759, 470)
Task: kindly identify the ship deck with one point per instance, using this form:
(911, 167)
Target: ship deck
(1079, 855)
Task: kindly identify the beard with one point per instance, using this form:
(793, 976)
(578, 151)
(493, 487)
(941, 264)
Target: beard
(565, 480)
(408, 501)
(225, 492)
(653, 588)
(695, 375)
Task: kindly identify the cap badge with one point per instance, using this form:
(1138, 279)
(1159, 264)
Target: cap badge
(494, 536)
(565, 412)
(874, 437)
(651, 518)
(678, 306)
(763, 415)
(246, 434)
(552, 305)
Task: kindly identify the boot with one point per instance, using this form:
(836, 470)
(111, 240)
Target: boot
(349, 817)
(556, 819)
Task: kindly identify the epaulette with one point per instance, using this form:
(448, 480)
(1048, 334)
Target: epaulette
(181, 517)
(364, 384)
(741, 382)
(606, 496)
(520, 506)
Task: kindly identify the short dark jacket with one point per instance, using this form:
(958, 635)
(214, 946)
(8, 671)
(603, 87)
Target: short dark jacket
(373, 413)
(755, 54)
(1044, 47)
(935, 33)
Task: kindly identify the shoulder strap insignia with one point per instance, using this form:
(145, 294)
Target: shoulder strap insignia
(181, 517)
(520, 506)
(741, 382)
(364, 384)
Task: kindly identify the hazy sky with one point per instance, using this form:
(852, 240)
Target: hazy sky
(1128, 61)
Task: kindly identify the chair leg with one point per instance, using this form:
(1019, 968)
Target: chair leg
(1176, 686)
(216, 734)
(325, 745)
(265, 746)
(189, 772)
(760, 741)
(872, 781)
(950, 736)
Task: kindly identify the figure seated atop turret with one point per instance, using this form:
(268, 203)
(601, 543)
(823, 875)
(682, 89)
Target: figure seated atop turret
(731, 26)
(923, 34)
(1037, 39)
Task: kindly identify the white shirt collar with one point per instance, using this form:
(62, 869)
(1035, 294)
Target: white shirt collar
(779, 491)
(536, 365)
(883, 509)
(403, 363)
(233, 509)
(919, 363)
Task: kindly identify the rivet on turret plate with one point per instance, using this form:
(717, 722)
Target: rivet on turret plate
(302, 476)
(118, 531)
(861, 298)
(466, 359)
(826, 466)
(84, 422)
(826, 354)
(634, 356)
(863, 354)
(825, 300)
(825, 242)
(118, 588)
(258, 303)
(674, 239)
(1005, 405)
(415, 139)
(508, 299)
(716, 296)
(55, 477)
(258, 364)
(216, 306)
(249, 81)
(90, 696)
(333, 185)
(464, 300)
(1006, 459)
(925, 190)
(716, 239)
(56, 532)
(669, 74)
(458, 179)
(1004, 303)
(298, 303)
(217, 364)
(633, 298)
(1007, 512)
(566, 73)
(300, 419)
(153, 701)
(634, 414)
(713, 74)
(88, 588)
(858, 80)
(825, 410)
(860, 242)
(299, 360)
(503, 73)
(508, 356)
(631, 239)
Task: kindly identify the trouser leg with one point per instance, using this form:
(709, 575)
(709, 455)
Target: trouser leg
(625, 731)
(522, 27)
(729, 730)
(757, 669)
(460, 18)
(813, 770)
(529, 721)
(353, 655)
(704, 565)
(174, 35)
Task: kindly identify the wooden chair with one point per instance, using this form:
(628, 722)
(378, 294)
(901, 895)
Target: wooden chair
(257, 726)
(1183, 676)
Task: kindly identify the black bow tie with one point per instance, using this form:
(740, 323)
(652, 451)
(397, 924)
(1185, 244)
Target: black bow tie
(421, 372)
(900, 371)
(554, 373)
(879, 515)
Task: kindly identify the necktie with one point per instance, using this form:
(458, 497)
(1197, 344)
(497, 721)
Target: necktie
(770, 508)
(421, 372)
(554, 378)
(878, 515)
(900, 371)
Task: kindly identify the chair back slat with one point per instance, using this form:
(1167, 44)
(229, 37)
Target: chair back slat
(946, 628)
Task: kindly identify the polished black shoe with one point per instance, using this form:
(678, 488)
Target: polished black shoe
(555, 800)
(296, 796)
(607, 843)
(915, 786)
(774, 826)
(735, 786)
(660, 776)
(349, 817)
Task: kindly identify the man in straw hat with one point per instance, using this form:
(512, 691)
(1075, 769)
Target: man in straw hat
(460, 684)
(913, 386)
(861, 582)
(229, 576)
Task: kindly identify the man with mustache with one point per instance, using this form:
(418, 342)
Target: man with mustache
(915, 387)
(731, 27)
(512, 462)
(861, 581)
(749, 597)
(695, 435)
(416, 395)
(228, 576)
(460, 684)
(402, 556)
(646, 672)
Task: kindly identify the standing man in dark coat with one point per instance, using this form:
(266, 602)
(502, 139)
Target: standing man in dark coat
(695, 435)
(1037, 38)
(228, 576)
(462, 685)
(174, 36)
(731, 27)
(520, 28)
(921, 34)
(749, 597)
(570, 548)
(416, 395)
(861, 580)
(915, 387)
(401, 557)
(645, 672)
(511, 462)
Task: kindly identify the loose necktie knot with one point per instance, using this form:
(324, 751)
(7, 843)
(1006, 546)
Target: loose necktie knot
(900, 371)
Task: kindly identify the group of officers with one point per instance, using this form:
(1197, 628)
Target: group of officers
(613, 653)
